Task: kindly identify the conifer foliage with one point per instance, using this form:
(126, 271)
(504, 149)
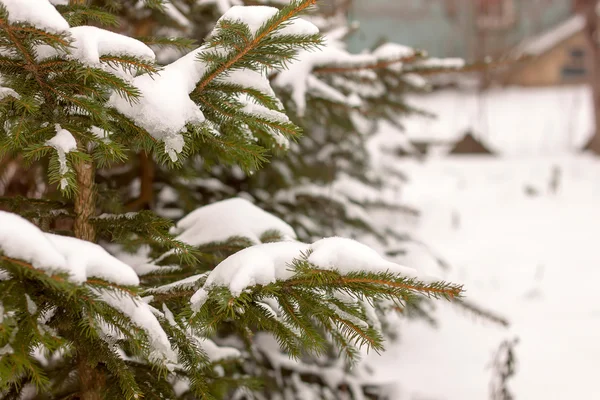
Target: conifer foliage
(227, 294)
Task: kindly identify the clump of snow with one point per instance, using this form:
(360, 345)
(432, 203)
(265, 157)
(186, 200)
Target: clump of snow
(256, 16)
(90, 43)
(228, 218)
(31, 306)
(85, 259)
(22, 240)
(347, 255)
(448, 63)
(63, 142)
(392, 52)
(164, 106)
(39, 13)
(257, 265)
(267, 263)
(100, 134)
(5, 92)
(141, 314)
(217, 353)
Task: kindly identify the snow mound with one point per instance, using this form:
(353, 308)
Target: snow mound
(90, 43)
(39, 13)
(86, 259)
(267, 263)
(224, 219)
(22, 240)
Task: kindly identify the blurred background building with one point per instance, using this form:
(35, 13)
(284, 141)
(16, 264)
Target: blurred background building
(474, 29)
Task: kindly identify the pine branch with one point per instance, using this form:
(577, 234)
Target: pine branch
(284, 15)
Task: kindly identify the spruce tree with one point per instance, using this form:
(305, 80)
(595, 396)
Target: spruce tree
(228, 295)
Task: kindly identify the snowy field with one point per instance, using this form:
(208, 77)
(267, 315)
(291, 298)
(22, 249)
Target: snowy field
(521, 249)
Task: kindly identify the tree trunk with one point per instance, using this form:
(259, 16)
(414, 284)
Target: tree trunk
(85, 201)
(591, 34)
(91, 380)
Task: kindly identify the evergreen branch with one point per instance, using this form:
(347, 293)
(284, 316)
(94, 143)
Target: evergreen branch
(436, 289)
(281, 17)
(377, 65)
(31, 65)
(129, 63)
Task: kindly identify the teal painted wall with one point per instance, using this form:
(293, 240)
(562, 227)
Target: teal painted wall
(449, 31)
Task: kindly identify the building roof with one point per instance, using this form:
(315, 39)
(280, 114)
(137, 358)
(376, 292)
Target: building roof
(540, 44)
(469, 145)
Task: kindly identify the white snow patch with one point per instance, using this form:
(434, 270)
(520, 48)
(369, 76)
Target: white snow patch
(256, 16)
(257, 265)
(347, 255)
(224, 219)
(63, 142)
(20, 239)
(558, 120)
(217, 353)
(39, 13)
(393, 52)
(164, 106)
(86, 259)
(299, 78)
(5, 92)
(91, 43)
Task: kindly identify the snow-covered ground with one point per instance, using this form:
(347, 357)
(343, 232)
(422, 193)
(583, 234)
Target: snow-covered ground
(510, 121)
(522, 250)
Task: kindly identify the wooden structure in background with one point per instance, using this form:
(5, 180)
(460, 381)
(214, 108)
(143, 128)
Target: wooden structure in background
(470, 145)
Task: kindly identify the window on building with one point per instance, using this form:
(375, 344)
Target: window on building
(575, 66)
(495, 14)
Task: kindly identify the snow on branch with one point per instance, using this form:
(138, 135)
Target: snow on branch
(38, 13)
(80, 260)
(25, 245)
(170, 100)
(235, 217)
(272, 262)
